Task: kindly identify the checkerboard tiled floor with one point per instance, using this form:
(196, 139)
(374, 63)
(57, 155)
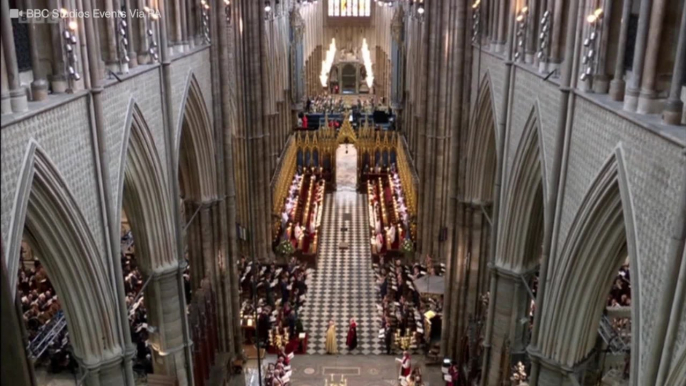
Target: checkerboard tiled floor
(343, 286)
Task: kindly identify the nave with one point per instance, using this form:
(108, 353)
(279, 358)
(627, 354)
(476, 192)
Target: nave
(343, 286)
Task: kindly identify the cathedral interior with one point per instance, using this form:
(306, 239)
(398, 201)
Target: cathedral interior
(343, 192)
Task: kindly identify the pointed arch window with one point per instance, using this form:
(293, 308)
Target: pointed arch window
(350, 8)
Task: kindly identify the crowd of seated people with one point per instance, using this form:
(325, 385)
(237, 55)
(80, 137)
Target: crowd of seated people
(620, 296)
(279, 373)
(138, 316)
(42, 312)
(43, 316)
(401, 307)
(278, 293)
(301, 216)
(388, 215)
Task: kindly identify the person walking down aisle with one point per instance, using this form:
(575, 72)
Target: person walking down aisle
(351, 340)
(331, 346)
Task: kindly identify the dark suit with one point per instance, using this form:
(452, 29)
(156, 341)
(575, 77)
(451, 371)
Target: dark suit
(388, 339)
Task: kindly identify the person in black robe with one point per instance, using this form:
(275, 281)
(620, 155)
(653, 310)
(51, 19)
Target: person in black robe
(263, 327)
(388, 338)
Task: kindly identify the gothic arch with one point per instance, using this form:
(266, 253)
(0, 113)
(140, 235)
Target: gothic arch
(195, 145)
(600, 236)
(47, 210)
(482, 147)
(144, 195)
(678, 374)
(524, 200)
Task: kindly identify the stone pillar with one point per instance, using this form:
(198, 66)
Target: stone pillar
(552, 373)
(181, 4)
(58, 80)
(143, 26)
(164, 314)
(18, 99)
(191, 19)
(673, 113)
(600, 83)
(39, 86)
(175, 26)
(133, 56)
(632, 90)
(647, 100)
(6, 106)
(112, 51)
(617, 84)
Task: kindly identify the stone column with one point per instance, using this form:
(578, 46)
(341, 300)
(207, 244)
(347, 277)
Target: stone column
(112, 51)
(181, 4)
(18, 99)
(175, 26)
(556, 46)
(673, 113)
(143, 26)
(164, 314)
(631, 95)
(552, 373)
(617, 84)
(133, 56)
(58, 80)
(647, 100)
(510, 321)
(191, 20)
(6, 106)
(39, 86)
(600, 83)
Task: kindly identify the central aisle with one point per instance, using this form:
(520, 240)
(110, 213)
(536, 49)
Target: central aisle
(343, 286)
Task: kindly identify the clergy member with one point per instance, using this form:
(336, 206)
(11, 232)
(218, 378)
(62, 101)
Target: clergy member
(331, 346)
(405, 365)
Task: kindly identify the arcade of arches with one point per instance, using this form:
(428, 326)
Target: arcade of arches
(494, 192)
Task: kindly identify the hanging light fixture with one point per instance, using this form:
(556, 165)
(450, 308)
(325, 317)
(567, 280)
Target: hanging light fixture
(590, 43)
(544, 37)
(420, 7)
(267, 6)
(476, 19)
(69, 36)
(522, 25)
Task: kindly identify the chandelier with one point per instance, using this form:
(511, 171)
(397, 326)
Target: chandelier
(327, 63)
(367, 59)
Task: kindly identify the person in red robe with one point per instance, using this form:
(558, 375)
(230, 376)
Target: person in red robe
(405, 364)
(351, 341)
(304, 121)
(453, 374)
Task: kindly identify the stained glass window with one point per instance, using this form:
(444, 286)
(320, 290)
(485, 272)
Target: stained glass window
(350, 8)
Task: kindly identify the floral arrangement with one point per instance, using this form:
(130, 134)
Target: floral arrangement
(285, 248)
(407, 246)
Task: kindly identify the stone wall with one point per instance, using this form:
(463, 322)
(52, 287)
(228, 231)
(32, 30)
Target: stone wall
(654, 163)
(63, 129)
(63, 132)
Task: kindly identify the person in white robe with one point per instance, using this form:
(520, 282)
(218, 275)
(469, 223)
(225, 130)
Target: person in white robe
(299, 235)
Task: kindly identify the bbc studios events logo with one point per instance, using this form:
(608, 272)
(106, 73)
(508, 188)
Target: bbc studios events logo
(44, 15)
